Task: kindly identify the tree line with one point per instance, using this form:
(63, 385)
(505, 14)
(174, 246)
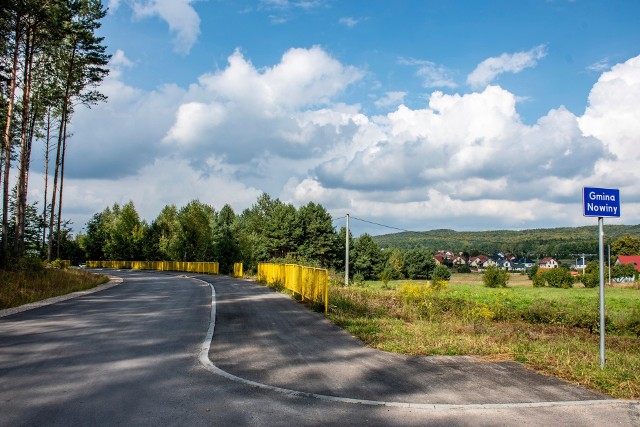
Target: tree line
(51, 61)
(562, 242)
(270, 230)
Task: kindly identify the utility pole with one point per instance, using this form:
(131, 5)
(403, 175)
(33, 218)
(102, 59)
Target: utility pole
(346, 256)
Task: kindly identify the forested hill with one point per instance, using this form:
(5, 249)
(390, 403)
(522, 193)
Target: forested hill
(545, 241)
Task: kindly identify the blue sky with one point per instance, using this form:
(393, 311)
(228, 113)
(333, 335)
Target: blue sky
(469, 115)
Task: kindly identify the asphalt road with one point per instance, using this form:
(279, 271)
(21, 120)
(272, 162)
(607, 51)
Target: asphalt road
(130, 355)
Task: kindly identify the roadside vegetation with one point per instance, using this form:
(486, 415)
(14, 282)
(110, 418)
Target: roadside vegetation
(32, 281)
(551, 330)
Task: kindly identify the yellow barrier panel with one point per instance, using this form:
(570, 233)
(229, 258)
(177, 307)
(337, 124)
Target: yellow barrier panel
(310, 283)
(237, 269)
(191, 267)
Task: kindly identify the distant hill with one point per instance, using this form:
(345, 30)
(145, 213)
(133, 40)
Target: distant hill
(560, 242)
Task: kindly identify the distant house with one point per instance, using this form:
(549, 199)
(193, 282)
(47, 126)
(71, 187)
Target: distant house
(524, 263)
(629, 259)
(459, 260)
(504, 264)
(489, 263)
(439, 258)
(548, 262)
(477, 261)
(580, 265)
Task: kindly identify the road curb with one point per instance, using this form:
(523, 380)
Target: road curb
(113, 281)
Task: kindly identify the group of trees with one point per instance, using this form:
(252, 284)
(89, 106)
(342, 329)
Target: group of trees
(51, 61)
(269, 230)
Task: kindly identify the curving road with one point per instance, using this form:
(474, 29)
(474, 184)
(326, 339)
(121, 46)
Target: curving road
(130, 355)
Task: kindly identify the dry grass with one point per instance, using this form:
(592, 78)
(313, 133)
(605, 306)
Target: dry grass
(384, 321)
(23, 287)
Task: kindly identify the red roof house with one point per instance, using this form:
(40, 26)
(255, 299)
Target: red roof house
(629, 259)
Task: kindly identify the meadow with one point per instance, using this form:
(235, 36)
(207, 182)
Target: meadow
(554, 331)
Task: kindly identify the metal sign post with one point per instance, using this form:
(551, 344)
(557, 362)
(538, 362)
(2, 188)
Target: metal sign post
(601, 267)
(601, 202)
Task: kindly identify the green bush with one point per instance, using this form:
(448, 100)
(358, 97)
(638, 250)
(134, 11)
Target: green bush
(538, 281)
(463, 269)
(441, 273)
(358, 279)
(495, 278)
(558, 278)
(58, 263)
(590, 280)
(633, 322)
(30, 263)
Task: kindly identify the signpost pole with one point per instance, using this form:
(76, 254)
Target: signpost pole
(601, 255)
(601, 202)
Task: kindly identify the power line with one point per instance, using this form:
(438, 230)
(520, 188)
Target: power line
(382, 225)
(335, 219)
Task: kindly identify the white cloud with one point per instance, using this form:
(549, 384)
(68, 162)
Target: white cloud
(613, 116)
(180, 15)
(465, 161)
(276, 102)
(282, 10)
(465, 137)
(167, 180)
(390, 99)
(433, 75)
(600, 66)
(349, 21)
(490, 68)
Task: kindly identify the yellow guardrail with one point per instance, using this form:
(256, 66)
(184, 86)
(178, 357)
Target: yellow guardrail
(191, 267)
(308, 282)
(237, 269)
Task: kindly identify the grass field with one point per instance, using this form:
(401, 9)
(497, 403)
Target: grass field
(554, 331)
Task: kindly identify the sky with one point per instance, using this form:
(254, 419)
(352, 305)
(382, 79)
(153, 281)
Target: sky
(419, 115)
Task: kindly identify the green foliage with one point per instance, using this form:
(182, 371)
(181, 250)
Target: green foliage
(538, 281)
(495, 278)
(395, 263)
(591, 278)
(558, 278)
(227, 247)
(623, 271)
(626, 245)
(193, 239)
(556, 241)
(30, 263)
(533, 271)
(441, 273)
(318, 238)
(419, 263)
(387, 275)
(58, 263)
(366, 257)
(463, 269)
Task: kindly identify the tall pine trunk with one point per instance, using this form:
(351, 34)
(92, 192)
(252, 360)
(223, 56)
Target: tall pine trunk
(46, 181)
(25, 147)
(7, 138)
(61, 138)
(64, 150)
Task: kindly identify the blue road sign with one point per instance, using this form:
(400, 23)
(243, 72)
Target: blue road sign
(601, 202)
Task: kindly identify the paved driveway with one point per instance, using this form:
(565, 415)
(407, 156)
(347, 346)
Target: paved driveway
(129, 355)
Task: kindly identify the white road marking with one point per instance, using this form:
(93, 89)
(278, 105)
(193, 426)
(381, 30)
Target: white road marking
(206, 362)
